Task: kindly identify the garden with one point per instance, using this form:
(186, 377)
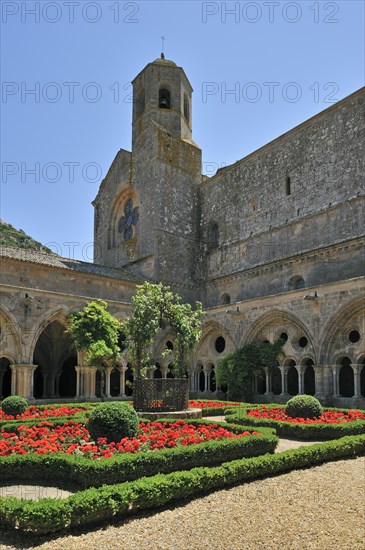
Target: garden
(114, 461)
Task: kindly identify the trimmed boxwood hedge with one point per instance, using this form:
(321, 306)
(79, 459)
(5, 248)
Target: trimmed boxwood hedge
(85, 472)
(298, 431)
(114, 501)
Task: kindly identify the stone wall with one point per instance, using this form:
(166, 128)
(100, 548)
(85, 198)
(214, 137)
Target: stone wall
(258, 222)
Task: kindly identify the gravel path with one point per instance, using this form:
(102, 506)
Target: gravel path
(318, 508)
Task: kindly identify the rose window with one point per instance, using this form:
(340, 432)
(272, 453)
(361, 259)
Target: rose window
(130, 219)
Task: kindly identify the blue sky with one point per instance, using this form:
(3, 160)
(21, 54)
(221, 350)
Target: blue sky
(284, 61)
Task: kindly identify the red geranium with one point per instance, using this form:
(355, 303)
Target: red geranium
(327, 417)
(74, 438)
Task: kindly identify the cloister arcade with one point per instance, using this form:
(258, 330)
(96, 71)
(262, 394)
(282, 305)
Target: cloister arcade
(329, 365)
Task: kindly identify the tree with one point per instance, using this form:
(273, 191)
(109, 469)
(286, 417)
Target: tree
(186, 326)
(95, 332)
(154, 307)
(237, 369)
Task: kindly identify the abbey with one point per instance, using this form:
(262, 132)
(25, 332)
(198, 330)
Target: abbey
(272, 245)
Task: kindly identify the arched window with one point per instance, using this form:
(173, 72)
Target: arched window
(164, 99)
(225, 299)
(288, 186)
(296, 283)
(214, 236)
(186, 107)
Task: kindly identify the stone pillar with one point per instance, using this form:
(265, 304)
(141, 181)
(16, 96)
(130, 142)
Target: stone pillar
(122, 371)
(301, 371)
(335, 376)
(206, 381)
(318, 381)
(92, 379)
(284, 380)
(357, 372)
(108, 371)
(268, 381)
(327, 378)
(22, 380)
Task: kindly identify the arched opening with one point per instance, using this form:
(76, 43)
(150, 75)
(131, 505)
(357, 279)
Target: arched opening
(186, 107)
(202, 380)
(275, 380)
(346, 378)
(213, 236)
(164, 99)
(170, 371)
(309, 378)
(296, 283)
(115, 383)
(52, 350)
(212, 381)
(261, 382)
(225, 299)
(129, 380)
(38, 383)
(284, 337)
(157, 373)
(292, 378)
(287, 186)
(169, 345)
(67, 381)
(5, 378)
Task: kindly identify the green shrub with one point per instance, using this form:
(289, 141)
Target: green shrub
(115, 501)
(81, 471)
(14, 405)
(303, 406)
(113, 421)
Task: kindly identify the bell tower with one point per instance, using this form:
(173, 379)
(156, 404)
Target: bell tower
(147, 212)
(162, 93)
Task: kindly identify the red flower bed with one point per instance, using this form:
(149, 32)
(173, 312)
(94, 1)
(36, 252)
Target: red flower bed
(74, 438)
(35, 412)
(327, 417)
(216, 404)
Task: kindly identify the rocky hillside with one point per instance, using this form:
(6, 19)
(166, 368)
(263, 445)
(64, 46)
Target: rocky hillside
(16, 238)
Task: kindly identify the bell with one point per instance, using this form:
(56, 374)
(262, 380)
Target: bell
(164, 103)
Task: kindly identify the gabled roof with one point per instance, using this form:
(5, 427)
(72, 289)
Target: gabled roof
(53, 260)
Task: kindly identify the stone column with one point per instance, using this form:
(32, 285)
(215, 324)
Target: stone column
(22, 380)
(301, 371)
(284, 380)
(92, 379)
(357, 372)
(78, 382)
(108, 371)
(327, 377)
(268, 381)
(318, 380)
(206, 382)
(122, 371)
(335, 376)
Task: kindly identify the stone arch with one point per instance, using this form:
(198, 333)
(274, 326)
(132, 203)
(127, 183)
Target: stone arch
(269, 327)
(56, 360)
(205, 349)
(225, 299)
(114, 236)
(55, 314)
(333, 342)
(10, 337)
